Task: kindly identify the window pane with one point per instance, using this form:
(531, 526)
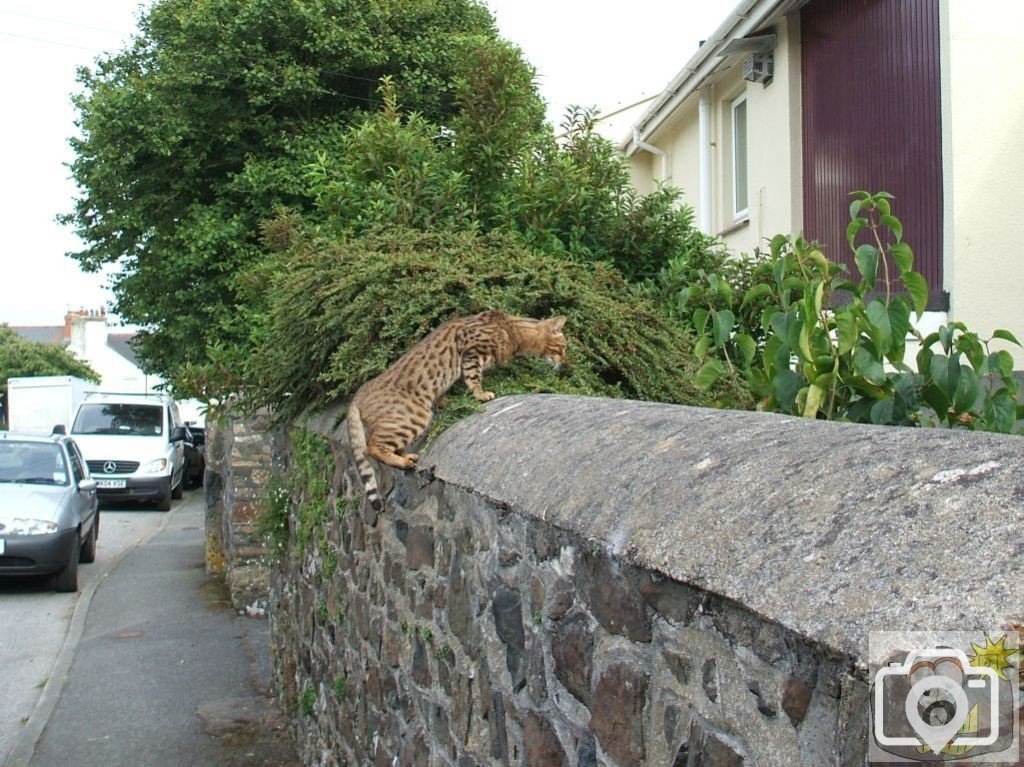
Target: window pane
(739, 159)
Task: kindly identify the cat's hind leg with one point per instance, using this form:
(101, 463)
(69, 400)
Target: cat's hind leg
(390, 456)
(388, 442)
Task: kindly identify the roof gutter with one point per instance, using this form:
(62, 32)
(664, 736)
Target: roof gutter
(641, 144)
(742, 21)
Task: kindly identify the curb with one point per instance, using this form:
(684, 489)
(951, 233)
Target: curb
(25, 742)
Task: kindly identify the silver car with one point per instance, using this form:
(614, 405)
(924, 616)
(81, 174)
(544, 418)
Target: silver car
(49, 511)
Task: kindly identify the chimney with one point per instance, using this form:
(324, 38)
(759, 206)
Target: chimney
(69, 321)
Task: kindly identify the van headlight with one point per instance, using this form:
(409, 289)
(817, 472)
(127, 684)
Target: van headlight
(159, 466)
(22, 526)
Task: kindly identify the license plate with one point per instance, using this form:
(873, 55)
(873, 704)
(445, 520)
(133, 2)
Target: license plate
(110, 484)
(3, 545)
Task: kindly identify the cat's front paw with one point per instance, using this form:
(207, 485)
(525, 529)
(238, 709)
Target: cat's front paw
(484, 396)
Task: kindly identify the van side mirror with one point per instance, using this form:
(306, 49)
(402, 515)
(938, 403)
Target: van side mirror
(178, 434)
(59, 429)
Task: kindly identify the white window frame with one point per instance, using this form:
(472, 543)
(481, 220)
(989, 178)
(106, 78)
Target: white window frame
(740, 157)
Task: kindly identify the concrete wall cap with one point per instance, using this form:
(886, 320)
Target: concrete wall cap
(830, 529)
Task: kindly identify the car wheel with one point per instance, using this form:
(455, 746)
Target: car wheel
(89, 547)
(67, 579)
(164, 504)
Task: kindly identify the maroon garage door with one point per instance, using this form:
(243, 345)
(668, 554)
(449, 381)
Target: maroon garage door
(871, 120)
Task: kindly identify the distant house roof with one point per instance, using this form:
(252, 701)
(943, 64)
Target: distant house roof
(55, 335)
(121, 343)
(42, 334)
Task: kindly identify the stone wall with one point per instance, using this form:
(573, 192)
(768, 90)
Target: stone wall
(596, 582)
(238, 463)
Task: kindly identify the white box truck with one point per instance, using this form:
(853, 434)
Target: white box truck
(38, 403)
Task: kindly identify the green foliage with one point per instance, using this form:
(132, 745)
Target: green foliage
(574, 197)
(198, 129)
(340, 687)
(307, 703)
(825, 345)
(388, 169)
(309, 470)
(305, 487)
(966, 383)
(272, 521)
(712, 291)
(497, 169)
(340, 312)
(498, 124)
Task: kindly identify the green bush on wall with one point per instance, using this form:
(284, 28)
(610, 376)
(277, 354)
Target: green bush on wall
(341, 311)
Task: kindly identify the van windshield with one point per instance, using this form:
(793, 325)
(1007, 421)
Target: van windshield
(111, 418)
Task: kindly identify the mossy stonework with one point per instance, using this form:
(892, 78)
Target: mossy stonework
(239, 471)
(669, 587)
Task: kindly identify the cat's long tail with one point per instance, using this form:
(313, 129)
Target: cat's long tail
(357, 438)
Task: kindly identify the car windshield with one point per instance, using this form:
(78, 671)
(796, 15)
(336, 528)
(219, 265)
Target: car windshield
(114, 418)
(36, 463)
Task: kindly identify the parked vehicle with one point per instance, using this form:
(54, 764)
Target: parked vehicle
(195, 455)
(49, 510)
(134, 445)
(38, 403)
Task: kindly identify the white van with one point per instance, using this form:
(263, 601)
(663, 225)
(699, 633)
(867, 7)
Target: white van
(134, 445)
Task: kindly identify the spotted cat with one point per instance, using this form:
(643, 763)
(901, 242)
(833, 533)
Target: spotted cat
(393, 410)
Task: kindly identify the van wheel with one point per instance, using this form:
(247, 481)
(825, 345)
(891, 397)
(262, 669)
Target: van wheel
(164, 504)
(67, 579)
(179, 489)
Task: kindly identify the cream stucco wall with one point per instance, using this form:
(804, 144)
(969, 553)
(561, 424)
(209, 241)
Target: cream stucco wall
(773, 154)
(984, 188)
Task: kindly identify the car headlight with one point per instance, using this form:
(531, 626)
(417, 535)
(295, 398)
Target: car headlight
(21, 526)
(159, 466)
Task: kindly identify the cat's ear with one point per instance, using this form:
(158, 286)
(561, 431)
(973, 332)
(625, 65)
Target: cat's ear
(556, 324)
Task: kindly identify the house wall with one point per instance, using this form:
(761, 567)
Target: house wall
(89, 343)
(685, 157)
(984, 112)
(774, 160)
(88, 334)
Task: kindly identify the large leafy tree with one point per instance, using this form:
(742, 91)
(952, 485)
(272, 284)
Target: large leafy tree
(191, 136)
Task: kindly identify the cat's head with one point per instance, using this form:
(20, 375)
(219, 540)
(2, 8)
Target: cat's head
(552, 342)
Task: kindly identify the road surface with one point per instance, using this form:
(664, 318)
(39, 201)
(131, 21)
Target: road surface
(39, 627)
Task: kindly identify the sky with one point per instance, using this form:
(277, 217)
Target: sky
(589, 54)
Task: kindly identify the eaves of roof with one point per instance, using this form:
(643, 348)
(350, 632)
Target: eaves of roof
(746, 18)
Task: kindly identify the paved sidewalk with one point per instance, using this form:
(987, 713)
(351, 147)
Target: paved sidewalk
(165, 674)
